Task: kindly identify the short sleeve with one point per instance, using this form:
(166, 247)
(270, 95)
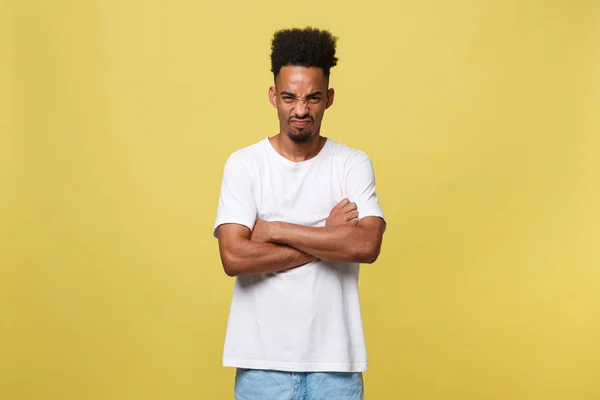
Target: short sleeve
(360, 188)
(236, 199)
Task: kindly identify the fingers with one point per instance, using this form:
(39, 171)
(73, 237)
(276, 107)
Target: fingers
(350, 207)
(346, 205)
(342, 203)
(345, 212)
(352, 215)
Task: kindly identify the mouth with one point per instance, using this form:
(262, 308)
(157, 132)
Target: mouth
(300, 123)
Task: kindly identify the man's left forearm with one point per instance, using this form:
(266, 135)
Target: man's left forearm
(346, 243)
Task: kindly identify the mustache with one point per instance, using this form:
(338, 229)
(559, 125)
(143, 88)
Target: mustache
(300, 118)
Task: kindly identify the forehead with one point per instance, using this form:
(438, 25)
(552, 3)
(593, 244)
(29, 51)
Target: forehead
(297, 79)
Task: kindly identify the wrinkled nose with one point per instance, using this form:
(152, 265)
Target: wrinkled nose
(301, 108)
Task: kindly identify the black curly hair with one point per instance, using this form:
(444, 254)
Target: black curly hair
(308, 47)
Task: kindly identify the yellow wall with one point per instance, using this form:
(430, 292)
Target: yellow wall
(482, 120)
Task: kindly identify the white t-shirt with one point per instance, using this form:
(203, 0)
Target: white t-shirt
(307, 318)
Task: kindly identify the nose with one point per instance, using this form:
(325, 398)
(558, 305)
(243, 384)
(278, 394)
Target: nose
(301, 108)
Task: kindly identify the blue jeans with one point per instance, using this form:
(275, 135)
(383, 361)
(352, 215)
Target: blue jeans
(255, 384)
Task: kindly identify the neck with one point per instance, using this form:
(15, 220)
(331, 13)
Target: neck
(298, 152)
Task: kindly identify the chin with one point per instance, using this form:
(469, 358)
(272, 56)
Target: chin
(300, 137)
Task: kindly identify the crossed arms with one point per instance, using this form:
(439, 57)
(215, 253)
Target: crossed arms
(277, 246)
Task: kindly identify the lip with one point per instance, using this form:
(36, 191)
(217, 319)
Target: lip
(300, 123)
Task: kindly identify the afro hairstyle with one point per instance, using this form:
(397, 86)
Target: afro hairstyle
(308, 47)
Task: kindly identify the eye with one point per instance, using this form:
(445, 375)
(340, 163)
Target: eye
(314, 100)
(287, 98)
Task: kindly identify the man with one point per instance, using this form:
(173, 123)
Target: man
(297, 214)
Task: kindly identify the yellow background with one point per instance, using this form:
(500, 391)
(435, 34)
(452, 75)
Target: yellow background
(481, 117)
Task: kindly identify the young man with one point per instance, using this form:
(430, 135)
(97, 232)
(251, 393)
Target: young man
(297, 214)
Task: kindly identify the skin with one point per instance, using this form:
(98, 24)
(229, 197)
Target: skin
(249, 252)
(359, 242)
(301, 95)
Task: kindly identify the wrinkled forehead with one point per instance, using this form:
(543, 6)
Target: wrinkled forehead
(301, 80)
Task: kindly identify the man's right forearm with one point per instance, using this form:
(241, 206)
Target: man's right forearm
(247, 257)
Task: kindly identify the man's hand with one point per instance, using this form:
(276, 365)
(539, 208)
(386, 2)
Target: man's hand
(344, 213)
(260, 233)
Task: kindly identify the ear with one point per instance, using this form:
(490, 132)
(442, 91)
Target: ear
(330, 96)
(273, 96)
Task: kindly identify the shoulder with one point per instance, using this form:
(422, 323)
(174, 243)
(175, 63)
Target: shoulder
(347, 156)
(246, 157)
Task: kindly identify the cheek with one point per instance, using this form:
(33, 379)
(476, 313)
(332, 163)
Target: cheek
(284, 110)
(282, 113)
(318, 113)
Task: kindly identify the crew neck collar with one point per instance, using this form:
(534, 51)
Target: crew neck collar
(289, 162)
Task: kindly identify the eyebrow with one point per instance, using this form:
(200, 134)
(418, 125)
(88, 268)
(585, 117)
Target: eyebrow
(313, 94)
